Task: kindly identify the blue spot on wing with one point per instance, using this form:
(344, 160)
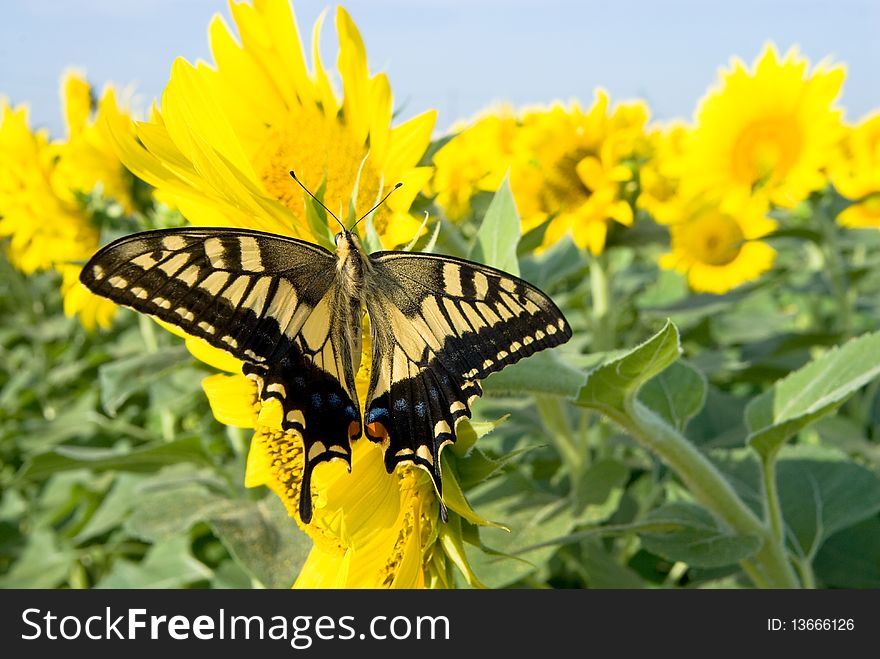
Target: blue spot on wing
(421, 408)
(316, 400)
(376, 413)
(400, 404)
(334, 400)
(351, 412)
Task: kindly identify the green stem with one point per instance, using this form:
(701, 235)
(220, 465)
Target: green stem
(600, 291)
(769, 566)
(771, 498)
(805, 569)
(836, 271)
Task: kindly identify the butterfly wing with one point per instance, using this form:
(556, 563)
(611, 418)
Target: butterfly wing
(272, 302)
(440, 325)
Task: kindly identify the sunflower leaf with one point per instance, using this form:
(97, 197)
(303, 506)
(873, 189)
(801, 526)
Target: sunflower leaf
(499, 233)
(696, 537)
(609, 387)
(811, 393)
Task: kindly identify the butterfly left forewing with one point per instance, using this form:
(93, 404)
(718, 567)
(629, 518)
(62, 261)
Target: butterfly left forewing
(271, 301)
(439, 326)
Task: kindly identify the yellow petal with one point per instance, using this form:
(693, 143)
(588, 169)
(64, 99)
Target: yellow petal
(324, 569)
(232, 399)
(380, 117)
(326, 95)
(76, 99)
(408, 143)
(352, 64)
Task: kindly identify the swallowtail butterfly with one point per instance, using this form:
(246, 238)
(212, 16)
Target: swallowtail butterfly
(291, 311)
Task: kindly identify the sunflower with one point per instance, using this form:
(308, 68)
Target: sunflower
(220, 149)
(475, 159)
(42, 184)
(572, 168)
(770, 128)
(856, 173)
(227, 134)
(371, 529)
(718, 245)
(660, 176)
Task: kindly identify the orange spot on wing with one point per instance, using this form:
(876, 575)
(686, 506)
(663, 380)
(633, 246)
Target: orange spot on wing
(376, 429)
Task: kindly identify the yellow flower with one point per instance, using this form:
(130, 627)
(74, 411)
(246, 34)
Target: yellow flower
(227, 134)
(770, 128)
(475, 160)
(220, 150)
(660, 177)
(856, 173)
(371, 529)
(572, 166)
(40, 210)
(718, 246)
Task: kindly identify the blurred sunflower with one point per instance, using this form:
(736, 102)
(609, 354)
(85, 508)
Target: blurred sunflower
(227, 134)
(220, 149)
(771, 128)
(572, 167)
(475, 160)
(660, 176)
(42, 185)
(718, 246)
(856, 173)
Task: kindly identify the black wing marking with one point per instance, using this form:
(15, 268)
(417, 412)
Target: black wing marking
(272, 302)
(439, 326)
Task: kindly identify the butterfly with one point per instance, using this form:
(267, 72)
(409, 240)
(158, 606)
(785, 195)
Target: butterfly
(292, 312)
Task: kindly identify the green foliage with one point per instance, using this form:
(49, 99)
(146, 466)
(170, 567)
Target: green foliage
(678, 440)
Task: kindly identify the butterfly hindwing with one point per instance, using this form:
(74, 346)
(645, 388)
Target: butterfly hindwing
(272, 302)
(439, 326)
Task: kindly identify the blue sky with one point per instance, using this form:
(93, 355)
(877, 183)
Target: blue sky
(458, 56)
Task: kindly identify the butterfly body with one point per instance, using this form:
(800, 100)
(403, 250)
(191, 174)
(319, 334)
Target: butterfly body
(292, 312)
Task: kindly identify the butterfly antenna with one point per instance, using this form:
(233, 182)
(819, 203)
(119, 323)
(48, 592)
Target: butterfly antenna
(293, 175)
(376, 206)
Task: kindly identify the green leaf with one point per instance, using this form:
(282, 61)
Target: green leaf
(147, 458)
(316, 217)
(114, 508)
(166, 513)
(541, 373)
(603, 571)
(677, 394)
(811, 392)
(533, 517)
(499, 233)
(372, 239)
(468, 432)
(851, 558)
(264, 541)
(695, 537)
(821, 493)
(168, 564)
(453, 495)
(609, 387)
(42, 564)
(123, 378)
(720, 422)
(598, 492)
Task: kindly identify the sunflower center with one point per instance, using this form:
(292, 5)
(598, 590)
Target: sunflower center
(319, 149)
(766, 150)
(715, 239)
(564, 186)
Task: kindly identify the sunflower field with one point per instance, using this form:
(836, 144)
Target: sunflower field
(713, 422)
